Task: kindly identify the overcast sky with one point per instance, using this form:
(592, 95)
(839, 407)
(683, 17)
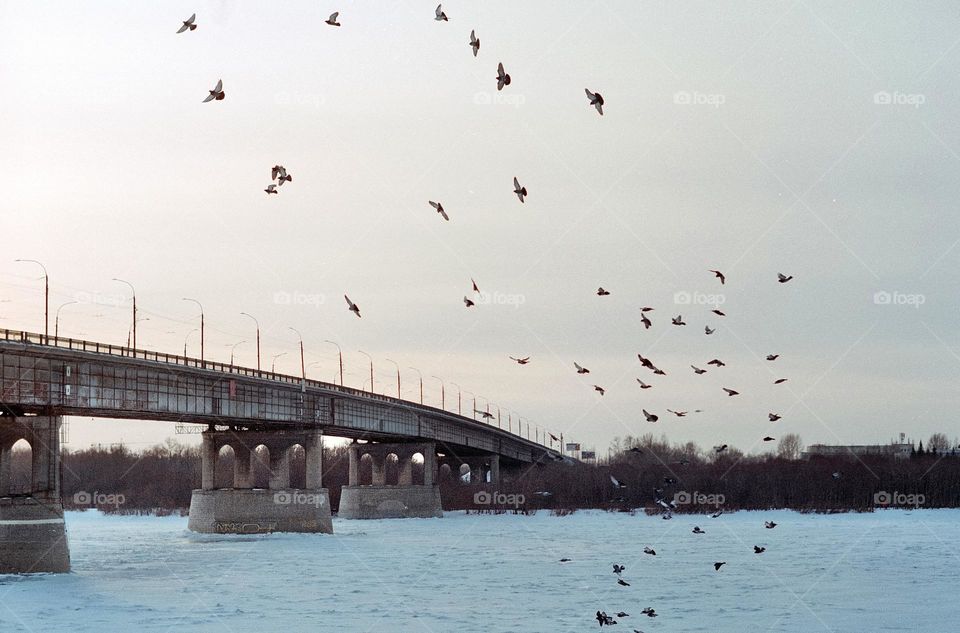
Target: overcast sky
(817, 139)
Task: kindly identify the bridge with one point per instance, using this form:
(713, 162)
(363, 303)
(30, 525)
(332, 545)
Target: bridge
(44, 378)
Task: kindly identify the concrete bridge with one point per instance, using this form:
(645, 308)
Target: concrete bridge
(44, 378)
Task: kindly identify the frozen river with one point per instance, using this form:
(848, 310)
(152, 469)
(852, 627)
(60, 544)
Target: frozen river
(855, 573)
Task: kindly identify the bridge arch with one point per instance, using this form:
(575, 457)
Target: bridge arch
(223, 477)
(260, 457)
(391, 469)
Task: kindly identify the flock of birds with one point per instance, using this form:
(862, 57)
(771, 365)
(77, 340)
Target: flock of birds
(595, 100)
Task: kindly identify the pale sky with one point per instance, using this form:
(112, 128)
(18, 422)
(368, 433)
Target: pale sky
(747, 137)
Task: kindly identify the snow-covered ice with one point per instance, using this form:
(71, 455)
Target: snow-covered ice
(892, 570)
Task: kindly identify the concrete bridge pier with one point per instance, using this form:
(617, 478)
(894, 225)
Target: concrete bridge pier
(243, 509)
(33, 536)
(380, 500)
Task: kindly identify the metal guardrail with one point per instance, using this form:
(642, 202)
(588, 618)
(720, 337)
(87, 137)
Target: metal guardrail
(32, 338)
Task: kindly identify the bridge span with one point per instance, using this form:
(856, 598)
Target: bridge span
(44, 378)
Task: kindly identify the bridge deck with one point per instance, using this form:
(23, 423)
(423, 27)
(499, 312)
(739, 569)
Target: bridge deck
(65, 376)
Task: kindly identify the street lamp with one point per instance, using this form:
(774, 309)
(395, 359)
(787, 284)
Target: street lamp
(459, 410)
(187, 338)
(46, 297)
(56, 321)
(201, 326)
(443, 393)
(474, 408)
(258, 336)
(134, 291)
(232, 348)
(340, 354)
(421, 382)
(498, 412)
(398, 376)
(371, 368)
(273, 363)
(303, 368)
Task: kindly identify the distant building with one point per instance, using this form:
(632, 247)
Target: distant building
(897, 450)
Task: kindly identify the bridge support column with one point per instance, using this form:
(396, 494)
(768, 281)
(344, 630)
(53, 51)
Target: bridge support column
(33, 536)
(382, 501)
(247, 510)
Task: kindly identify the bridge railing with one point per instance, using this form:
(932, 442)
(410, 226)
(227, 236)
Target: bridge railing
(34, 338)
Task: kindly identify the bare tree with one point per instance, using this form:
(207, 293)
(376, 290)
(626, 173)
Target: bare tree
(938, 442)
(790, 446)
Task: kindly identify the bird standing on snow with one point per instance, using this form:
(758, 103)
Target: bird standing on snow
(596, 100)
(188, 24)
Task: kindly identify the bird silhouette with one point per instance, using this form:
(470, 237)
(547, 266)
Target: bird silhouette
(697, 370)
(650, 416)
(769, 525)
(773, 356)
(474, 43)
(521, 361)
(352, 306)
(518, 189)
(217, 94)
(271, 188)
(731, 392)
(773, 417)
(601, 292)
(439, 15)
(717, 362)
(759, 550)
(678, 320)
(643, 385)
(188, 24)
(783, 278)
(717, 566)
(649, 550)
(600, 389)
(596, 100)
(332, 20)
(467, 302)
(581, 370)
(720, 276)
(503, 79)
(439, 208)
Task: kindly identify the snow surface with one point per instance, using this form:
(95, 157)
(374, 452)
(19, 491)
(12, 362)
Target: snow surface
(892, 570)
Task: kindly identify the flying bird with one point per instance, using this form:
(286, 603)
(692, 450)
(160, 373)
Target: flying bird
(717, 566)
(621, 581)
(440, 16)
(759, 550)
(618, 569)
(769, 439)
(773, 356)
(521, 361)
(716, 515)
(486, 415)
(678, 320)
(617, 484)
(649, 612)
(731, 392)
(596, 100)
(649, 550)
(475, 287)
(332, 20)
(643, 385)
(697, 370)
(720, 276)
(646, 322)
(697, 530)
(769, 525)
(581, 370)
(279, 173)
(601, 292)
(718, 313)
(503, 79)
(271, 188)
(783, 278)
(467, 302)
(650, 416)
(779, 381)
(717, 362)
(708, 331)
(720, 449)
(517, 189)
(774, 417)
(474, 43)
(352, 306)
(188, 24)
(679, 414)
(439, 208)
(600, 389)
(217, 93)
(646, 309)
